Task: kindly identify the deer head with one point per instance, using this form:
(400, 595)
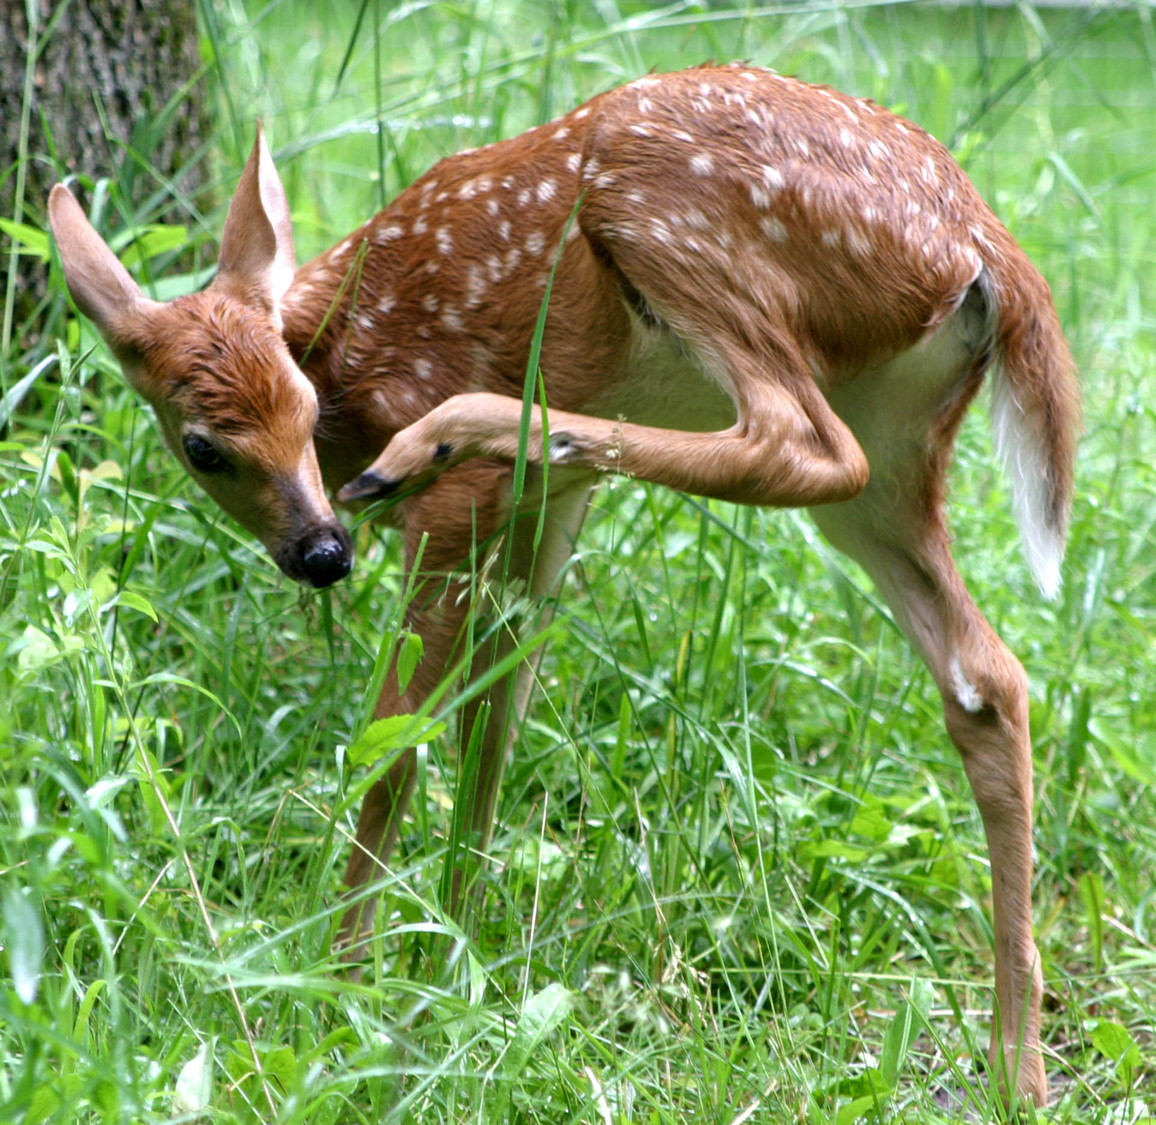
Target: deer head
(232, 404)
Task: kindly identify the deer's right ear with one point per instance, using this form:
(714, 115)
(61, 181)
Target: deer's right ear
(99, 284)
(257, 260)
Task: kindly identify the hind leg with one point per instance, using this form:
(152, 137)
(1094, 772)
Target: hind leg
(905, 551)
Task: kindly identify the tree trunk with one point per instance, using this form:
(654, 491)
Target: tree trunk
(105, 96)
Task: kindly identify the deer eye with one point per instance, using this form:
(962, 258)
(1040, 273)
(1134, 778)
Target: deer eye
(203, 455)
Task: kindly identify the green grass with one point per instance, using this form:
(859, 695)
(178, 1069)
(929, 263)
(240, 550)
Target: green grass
(735, 850)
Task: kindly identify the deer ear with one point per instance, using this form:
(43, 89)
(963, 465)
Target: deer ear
(99, 284)
(257, 260)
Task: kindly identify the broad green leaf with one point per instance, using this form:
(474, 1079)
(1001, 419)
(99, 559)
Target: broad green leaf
(906, 1025)
(409, 653)
(194, 1087)
(834, 849)
(543, 1012)
(133, 601)
(24, 942)
(147, 242)
(1114, 1041)
(388, 735)
(34, 240)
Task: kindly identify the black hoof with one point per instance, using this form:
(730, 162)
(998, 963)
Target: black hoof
(368, 486)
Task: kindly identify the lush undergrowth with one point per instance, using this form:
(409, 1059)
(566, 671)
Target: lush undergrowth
(737, 874)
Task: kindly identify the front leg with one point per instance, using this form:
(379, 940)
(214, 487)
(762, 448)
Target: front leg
(787, 449)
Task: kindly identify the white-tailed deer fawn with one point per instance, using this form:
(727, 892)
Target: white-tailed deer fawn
(770, 293)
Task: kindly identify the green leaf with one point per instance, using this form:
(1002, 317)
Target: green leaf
(133, 601)
(193, 1093)
(280, 1065)
(391, 734)
(24, 941)
(1114, 1041)
(834, 849)
(908, 1022)
(409, 653)
(852, 1111)
(147, 242)
(543, 1012)
(34, 240)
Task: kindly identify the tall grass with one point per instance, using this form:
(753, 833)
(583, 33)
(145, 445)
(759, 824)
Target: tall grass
(737, 874)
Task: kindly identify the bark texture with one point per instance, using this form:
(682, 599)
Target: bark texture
(105, 99)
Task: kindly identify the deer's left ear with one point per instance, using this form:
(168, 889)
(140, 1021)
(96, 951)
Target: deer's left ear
(257, 260)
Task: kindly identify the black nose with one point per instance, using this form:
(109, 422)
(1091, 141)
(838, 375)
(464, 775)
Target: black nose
(327, 556)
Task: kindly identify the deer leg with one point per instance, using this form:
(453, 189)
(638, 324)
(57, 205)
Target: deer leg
(464, 512)
(985, 699)
(532, 560)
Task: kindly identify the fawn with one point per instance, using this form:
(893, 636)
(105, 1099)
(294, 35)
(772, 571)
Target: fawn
(764, 291)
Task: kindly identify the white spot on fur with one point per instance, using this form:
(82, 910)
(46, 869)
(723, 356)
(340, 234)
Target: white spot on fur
(444, 240)
(760, 198)
(420, 226)
(493, 206)
(702, 164)
(660, 231)
(846, 139)
(572, 161)
(832, 239)
(640, 130)
(605, 180)
(430, 302)
(535, 242)
(452, 319)
(965, 692)
(592, 168)
(560, 134)
(546, 191)
(857, 242)
(772, 177)
(524, 196)
(695, 219)
(774, 229)
(584, 112)
(504, 228)
(475, 285)
(494, 268)
(423, 368)
(388, 233)
(386, 303)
